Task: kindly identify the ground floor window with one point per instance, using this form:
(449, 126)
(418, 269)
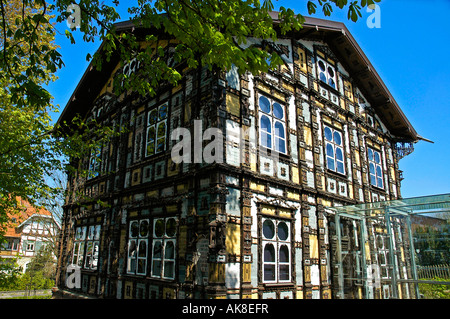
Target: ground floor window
(86, 246)
(163, 249)
(276, 250)
(153, 243)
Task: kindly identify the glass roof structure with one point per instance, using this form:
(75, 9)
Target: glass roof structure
(397, 247)
(408, 206)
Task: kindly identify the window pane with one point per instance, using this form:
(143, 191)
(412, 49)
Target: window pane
(284, 272)
(157, 249)
(372, 168)
(264, 104)
(330, 70)
(280, 145)
(321, 65)
(169, 269)
(377, 157)
(269, 272)
(323, 77)
(142, 248)
(279, 129)
(160, 145)
(330, 150)
(134, 229)
(379, 173)
(284, 253)
(330, 163)
(132, 265)
(143, 228)
(328, 133)
(162, 112)
(162, 129)
(169, 252)
(331, 83)
(380, 182)
(370, 154)
(340, 167)
(152, 117)
(373, 180)
(337, 138)
(266, 125)
(97, 232)
(151, 140)
(156, 268)
(141, 266)
(171, 227)
(268, 229)
(131, 248)
(266, 140)
(339, 154)
(278, 111)
(159, 228)
(283, 231)
(269, 253)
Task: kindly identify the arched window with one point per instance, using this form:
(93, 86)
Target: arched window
(272, 125)
(375, 167)
(334, 150)
(276, 255)
(156, 139)
(327, 72)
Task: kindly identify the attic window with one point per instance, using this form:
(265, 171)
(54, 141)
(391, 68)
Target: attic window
(327, 72)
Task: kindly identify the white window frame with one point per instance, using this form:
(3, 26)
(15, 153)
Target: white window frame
(335, 146)
(164, 240)
(86, 247)
(156, 136)
(278, 244)
(376, 165)
(139, 256)
(273, 121)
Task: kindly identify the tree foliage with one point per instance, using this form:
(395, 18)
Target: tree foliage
(211, 33)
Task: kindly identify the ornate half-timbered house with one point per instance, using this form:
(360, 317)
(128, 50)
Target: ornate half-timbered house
(321, 131)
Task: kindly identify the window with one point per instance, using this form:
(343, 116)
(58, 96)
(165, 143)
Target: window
(156, 130)
(11, 244)
(86, 246)
(272, 125)
(30, 246)
(276, 245)
(163, 250)
(334, 150)
(327, 72)
(138, 247)
(94, 162)
(375, 170)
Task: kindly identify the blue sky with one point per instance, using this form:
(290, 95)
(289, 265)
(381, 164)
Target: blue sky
(409, 52)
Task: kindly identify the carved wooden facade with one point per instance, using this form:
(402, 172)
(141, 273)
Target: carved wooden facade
(252, 226)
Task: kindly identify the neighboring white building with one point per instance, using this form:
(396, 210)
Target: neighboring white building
(28, 232)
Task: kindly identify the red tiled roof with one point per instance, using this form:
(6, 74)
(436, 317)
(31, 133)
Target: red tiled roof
(21, 214)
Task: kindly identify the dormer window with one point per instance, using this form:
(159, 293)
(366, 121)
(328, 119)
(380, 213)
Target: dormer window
(327, 72)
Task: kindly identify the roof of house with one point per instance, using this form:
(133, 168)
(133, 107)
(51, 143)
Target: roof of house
(22, 215)
(335, 34)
